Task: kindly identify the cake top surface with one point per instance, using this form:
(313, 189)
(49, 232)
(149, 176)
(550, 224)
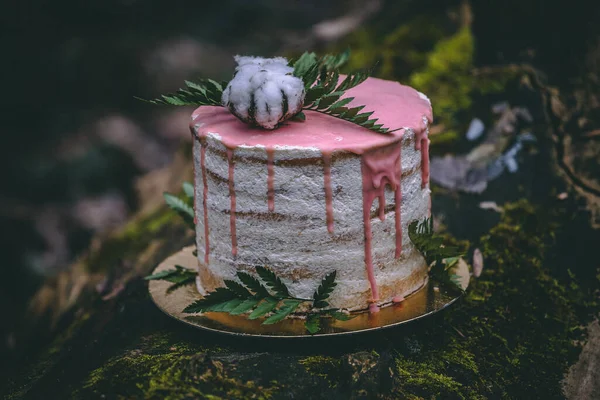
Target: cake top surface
(395, 105)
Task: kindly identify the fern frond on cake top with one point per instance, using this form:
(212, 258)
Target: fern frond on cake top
(205, 92)
(268, 91)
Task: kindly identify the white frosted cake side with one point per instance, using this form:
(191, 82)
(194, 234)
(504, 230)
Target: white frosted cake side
(303, 200)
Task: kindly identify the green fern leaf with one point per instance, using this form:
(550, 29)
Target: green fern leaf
(288, 307)
(273, 282)
(313, 323)
(264, 308)
(301, 117)
(313, 94)
(161, 275)
(304, 64)
(324, 290)
(245, 306)
(253, 284)
(183, 282)
(341, 103)
(188, 189)
(351, 113)
(333, 62)
(182, 208)
(340, 316)
(239, 290)
(218, 297)
(203, 93)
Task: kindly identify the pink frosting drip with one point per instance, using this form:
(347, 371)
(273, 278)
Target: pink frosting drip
(395, 105)
(380, 167)
(398, 299)
(232, 206)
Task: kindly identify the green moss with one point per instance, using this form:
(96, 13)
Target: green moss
(513, 335)
(135, 237)
(324, 367)
(395, 53)
(160, 369)
(434, 59)
(446, 77)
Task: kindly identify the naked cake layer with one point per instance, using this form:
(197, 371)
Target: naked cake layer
(305, 199)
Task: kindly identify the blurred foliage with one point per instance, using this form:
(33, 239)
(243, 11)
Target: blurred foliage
(435, 58)
(446, 76)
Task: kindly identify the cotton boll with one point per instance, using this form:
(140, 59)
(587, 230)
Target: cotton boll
(264, 91)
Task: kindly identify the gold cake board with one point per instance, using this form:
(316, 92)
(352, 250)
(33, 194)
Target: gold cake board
(431, 298)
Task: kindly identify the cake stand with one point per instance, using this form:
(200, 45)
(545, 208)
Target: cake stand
(429, 299)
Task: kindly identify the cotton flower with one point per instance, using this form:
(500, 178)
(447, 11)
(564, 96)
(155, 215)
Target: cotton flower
(264, 91)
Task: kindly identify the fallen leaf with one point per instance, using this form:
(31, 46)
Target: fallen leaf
(490, 205)
(477, 263)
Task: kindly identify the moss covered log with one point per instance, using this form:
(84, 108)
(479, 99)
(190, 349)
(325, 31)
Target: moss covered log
(514, 334)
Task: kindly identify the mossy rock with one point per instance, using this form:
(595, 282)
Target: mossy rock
(512, 336)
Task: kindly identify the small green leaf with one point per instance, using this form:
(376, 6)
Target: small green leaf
(342, 102)
(184, 282)
(202, 93)
(215, 298)
(360, 118)
(330, 82)
(340, 316)
(253, 284)
(299, 117)
(216, 86)
(328, 100)
(181, 207)
(239, 290)
(304, 64)
(337, 110)
(188, 189)
(324, 290)
(288, 307)
(351, 113)
(332, 62)
(353, 80)
(161, 275)
(433, 249)
(263, 308)
(313, 94)
(227, 306)
(368, 123)
(313, 323)
(273, 282)
(245, 306)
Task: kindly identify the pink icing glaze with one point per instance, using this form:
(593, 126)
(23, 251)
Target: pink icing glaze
(232, 207)
(395, 105)
(328, 193)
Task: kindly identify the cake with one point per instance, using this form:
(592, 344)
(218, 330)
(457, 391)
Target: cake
(313, 197)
